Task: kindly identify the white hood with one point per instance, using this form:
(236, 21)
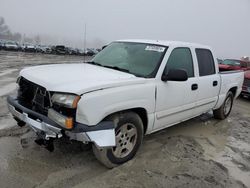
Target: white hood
(77, 78)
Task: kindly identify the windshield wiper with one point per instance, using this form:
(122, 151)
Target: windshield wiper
(117, 68)
(107, 66)
(94, 63)
(112, 67)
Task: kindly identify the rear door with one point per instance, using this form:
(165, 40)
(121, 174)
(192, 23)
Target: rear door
(208, 82)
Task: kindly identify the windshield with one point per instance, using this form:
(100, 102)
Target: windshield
(136, 58)
(231, 62)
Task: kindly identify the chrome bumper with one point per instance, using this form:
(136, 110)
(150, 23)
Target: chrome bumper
(103, 134)
(50, 131)
(36, 125)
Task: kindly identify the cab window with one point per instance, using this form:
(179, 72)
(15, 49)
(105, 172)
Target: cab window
(205, 62)
(181, 58)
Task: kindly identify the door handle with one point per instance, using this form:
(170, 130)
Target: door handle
(215, 83)
(194, 86)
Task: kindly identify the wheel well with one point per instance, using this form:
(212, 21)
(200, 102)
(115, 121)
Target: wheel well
(140, 111)
(143, 115)
(233, 90)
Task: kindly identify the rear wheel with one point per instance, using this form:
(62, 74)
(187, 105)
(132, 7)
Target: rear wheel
(128, 135)
(226, 107)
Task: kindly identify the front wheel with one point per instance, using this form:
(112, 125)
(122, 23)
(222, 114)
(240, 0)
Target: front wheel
(128, 135)
(226, 107)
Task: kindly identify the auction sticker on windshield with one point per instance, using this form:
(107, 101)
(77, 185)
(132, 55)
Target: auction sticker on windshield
(155, 48)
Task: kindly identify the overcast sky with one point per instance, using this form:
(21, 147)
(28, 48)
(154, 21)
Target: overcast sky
(222, 24)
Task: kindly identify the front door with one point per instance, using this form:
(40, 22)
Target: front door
(175, 101)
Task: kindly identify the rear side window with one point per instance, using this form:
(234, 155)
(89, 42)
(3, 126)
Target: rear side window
(205, 62)
(181, 58)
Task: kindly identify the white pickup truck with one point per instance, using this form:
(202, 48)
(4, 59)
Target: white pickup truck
(130, 89)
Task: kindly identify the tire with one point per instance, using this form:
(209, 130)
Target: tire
(129, 134)
(225, 109)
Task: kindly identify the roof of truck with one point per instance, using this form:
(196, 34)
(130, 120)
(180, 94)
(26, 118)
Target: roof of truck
(165, 43)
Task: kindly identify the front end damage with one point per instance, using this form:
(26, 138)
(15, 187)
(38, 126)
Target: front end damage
(31, 106)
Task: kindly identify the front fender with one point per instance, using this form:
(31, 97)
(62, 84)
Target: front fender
(95, 106)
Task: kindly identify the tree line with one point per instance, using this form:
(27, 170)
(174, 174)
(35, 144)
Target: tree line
(6, 34)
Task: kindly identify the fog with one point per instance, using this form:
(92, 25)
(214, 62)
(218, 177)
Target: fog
(222, 24)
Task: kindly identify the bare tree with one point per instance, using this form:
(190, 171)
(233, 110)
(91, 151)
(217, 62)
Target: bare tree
(4, 29)
(5, 32)
(37, 39)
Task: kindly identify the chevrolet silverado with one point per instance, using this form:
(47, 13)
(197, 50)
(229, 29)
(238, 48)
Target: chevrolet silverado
(128, 90)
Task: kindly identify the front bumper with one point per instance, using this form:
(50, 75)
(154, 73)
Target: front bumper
(102, 134)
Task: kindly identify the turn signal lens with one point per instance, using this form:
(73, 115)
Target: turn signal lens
(66, 122)
(76, 100)
(69, 123)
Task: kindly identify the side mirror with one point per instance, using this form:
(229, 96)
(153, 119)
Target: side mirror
(174, 75)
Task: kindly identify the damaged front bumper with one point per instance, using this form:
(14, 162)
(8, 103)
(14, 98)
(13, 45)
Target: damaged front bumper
(102, 134)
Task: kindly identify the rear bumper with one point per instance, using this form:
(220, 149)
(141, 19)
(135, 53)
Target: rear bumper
(102, 134)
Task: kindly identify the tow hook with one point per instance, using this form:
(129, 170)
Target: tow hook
(49, 144)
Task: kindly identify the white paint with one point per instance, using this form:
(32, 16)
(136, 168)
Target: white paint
(103, 138)
(77, 78)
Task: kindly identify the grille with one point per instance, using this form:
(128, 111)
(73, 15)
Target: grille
(33, 96)
(246, 82)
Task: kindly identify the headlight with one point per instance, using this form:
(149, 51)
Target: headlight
(66, 122)
(66, 100)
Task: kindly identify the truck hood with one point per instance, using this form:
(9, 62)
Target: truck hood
(78, 78)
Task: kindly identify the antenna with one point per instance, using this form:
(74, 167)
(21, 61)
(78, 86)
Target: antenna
(84, 44)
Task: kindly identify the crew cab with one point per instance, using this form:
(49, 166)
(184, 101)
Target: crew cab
(130, 89)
